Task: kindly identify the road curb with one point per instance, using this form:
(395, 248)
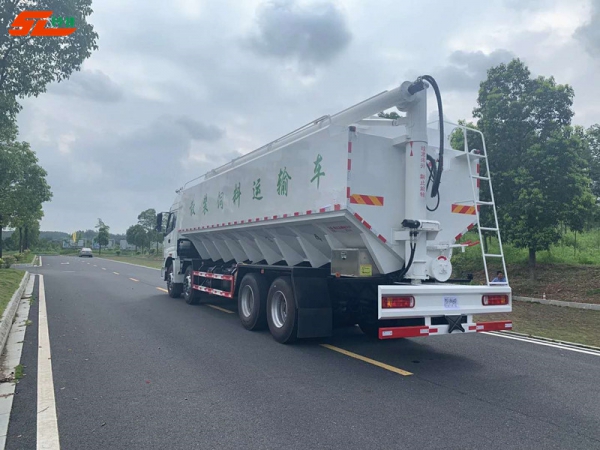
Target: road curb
(558, 303)
(9, 313)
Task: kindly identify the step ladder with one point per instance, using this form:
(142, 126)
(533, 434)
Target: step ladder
(476, 179)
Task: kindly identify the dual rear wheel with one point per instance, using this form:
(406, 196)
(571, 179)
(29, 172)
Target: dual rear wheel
(261, 306)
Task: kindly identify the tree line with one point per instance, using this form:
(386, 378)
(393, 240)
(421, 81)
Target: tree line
(545, 171)
(27, 66)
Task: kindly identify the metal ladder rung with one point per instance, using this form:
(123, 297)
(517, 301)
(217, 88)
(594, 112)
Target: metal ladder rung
(479, 202)
(478, 177)
(493, 255)
(475, 155)
(488, 229)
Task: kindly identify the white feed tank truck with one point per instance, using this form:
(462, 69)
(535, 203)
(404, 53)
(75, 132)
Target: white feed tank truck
(351, 219)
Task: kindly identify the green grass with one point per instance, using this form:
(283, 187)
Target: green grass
(27, 258)
(146, 261)
(19, 372)
(10, 279)
(554, 322)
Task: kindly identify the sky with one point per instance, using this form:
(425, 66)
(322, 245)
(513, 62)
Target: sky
(178, 88)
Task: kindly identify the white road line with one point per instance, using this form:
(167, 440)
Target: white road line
(40, 260)
(130, 264)
(547, 344)
(47, 425)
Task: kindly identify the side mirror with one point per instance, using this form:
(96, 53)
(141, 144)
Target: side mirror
(158, 222)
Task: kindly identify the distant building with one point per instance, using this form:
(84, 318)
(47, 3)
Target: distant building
(126, 246)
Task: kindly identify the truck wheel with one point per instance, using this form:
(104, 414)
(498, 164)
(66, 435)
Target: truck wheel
(281, 311)
(252, 302)
(190, 295)
(174, 289)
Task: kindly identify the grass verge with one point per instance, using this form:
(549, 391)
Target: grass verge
(554, 322)
(10, 279)
(19, 372)
(141, 260)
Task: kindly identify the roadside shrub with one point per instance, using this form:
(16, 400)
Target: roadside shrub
(18, 257)
(27, 251)
(8, 261)
(118, 252)
(137, 253)
(152, 251)
(1, 263)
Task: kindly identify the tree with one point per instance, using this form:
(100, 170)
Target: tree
(592, 140)
(393, 115)
(28, 64)
(535, 157)
(136, 235)
(102, 238)
(23, 186)
(147, 219)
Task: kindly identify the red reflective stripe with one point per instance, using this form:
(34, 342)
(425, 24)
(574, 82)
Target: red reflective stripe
(366, 225)
(348, 192)
(358, 217)
(322, 210)
(296, 214)
(382, 238)
(284, 216)
(308, 212)
(349, 147)
(494, 326)
(470, 227)
(349, 164)
(400, 332)
(337, 207)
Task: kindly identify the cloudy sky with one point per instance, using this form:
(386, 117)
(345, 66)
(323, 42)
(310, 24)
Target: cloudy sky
(180, 87)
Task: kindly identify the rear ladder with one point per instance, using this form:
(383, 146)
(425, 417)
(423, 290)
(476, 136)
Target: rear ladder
(475, 185)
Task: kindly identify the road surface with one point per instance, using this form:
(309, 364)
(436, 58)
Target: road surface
(135, 369)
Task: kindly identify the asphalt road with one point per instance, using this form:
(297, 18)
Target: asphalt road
(136, 369)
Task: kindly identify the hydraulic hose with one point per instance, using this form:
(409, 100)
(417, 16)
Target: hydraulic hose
(437, 172)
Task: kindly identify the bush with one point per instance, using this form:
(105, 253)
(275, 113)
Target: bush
(27, 251)
(118, 252)
(18, 257)
(8, 261)
(137, 253)
(152, 251)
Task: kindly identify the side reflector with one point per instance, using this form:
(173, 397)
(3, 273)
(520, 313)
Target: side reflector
(406, 301)
(490, 300)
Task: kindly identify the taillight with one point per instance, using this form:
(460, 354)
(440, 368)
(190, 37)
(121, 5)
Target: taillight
(490, 300)
(406, 301)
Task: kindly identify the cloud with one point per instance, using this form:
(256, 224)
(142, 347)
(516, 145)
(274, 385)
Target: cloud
(589, 34)
(312, 35)
(200, 131)
(468, 69)
(91, 85)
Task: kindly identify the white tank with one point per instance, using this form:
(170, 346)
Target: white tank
(331, 192)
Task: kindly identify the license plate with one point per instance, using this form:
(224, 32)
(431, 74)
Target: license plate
(451, 302)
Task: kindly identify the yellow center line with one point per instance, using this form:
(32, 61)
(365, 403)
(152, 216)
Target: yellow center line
(162, 289)
(367, 360)
(133, 279)
(221, 309)
(116, 273)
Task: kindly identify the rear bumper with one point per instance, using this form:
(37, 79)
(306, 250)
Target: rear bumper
(438, 300)
(434, 330)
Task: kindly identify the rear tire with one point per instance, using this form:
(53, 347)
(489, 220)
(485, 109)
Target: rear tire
(282, 315)
(252, 302)
(174, 289)
(190, 295)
